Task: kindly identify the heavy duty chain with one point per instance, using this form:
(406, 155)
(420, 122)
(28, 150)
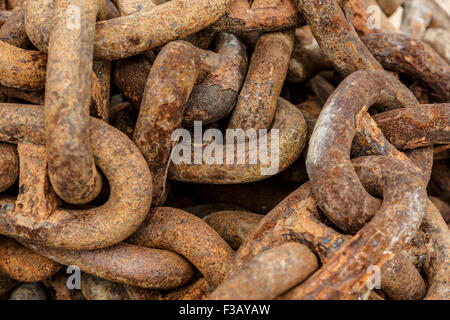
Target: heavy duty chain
(224, 149)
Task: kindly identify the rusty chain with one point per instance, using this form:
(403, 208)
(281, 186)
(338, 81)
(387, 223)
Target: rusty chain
(224, 149)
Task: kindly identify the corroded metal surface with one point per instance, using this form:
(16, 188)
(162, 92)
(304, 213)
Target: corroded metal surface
(344, 276)
(221, 74)
(33, 96)
(336, 36)
(36, 196)
(67, 99)
(259, 197)
(297, 219)
(440, 17)
(197, 290)
(126, 263)
(215, 97)
(167, 90)
(127, 7)
(57, 288)
(101, 90)
(199, 243)
(22, 68)
(95, 288)
(437, 287)
(259, 95)
(292, 135)
(99, 144)
(9, 165)
(130, 76)
(132, 34)
(328, 162)
(268, 274)
(401, 53)
(130, 188)
(233, 226)
(22, 264)
(400, 280)
(367, 17)
(261, 15)
(420, 126)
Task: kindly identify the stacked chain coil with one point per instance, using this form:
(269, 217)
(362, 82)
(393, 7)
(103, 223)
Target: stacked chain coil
(224, 149)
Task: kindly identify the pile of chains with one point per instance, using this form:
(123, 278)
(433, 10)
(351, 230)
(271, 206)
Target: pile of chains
(357, 92)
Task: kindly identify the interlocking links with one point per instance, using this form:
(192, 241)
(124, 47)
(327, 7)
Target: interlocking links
(221, 74)
(335, 185)
(296, 219)
(179, 231)
(167, 90)
(404, 203)
(120, 161)
(71, 164)
(13, 30)
(437, 265)
(241, 16)
(215, 97)
(307, 57)
(260, 15)
(436, 235)
(262, 86)
(292, 135)
(135, 33)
